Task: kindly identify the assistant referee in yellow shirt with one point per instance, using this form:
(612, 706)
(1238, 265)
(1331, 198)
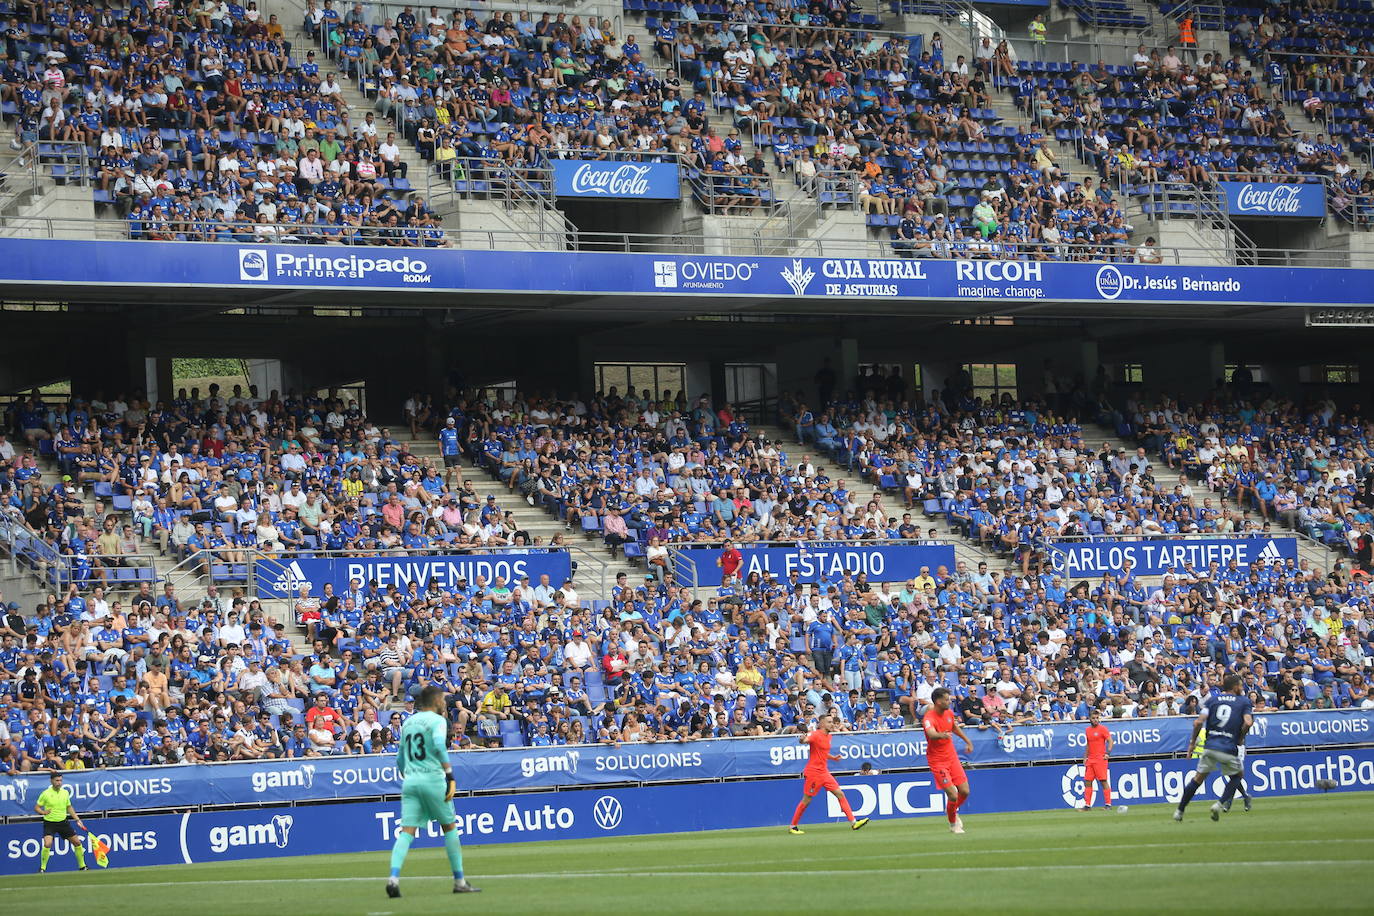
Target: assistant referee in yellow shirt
(55, 804)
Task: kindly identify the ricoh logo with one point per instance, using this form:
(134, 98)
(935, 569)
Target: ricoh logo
(1269, 199)
(999, 271)
(350, 267)
(551, 763)
(302, 777)
(290, 579)
(623, 181)
(253, 264)
(884, 799)
(276, 832)
(1020, 741)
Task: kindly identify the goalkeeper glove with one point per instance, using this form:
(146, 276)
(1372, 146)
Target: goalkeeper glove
(451, 790)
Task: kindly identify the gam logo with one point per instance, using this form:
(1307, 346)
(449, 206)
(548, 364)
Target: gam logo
(253, 264)
(276, 832)
(15, 790)
(302, 777)
(551, 763)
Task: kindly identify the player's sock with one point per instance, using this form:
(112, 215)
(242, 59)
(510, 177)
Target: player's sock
(796, 816)
(80, 853)
(453, 845)
(398, 852)
(1229, 793)
(1188, 792)
(952, 809)
(1088, 795)
(844, 806)
(1106, 794)
(43, 855)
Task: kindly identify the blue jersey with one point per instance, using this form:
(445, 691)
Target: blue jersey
(448, 441)
(1226, 714)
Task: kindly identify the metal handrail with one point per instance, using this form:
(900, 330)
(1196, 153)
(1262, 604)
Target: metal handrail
(718, 193)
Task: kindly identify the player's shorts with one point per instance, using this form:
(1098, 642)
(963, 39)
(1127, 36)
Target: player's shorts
(815, 782)
(452, 461)
(1095, 769)
(63, 829)
(422, 801)
(948, 773)
(1229, 764)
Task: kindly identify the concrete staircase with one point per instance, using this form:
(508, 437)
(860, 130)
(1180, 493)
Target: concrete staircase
(1315, 553)
(596, 566)
(965, 551)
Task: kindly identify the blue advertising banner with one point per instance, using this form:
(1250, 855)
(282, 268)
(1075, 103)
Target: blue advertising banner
(1254, 200)
(283, 578)
(623, 180)
(78, 262)
(1096, 558)
(583, 814)
(817, 561)
(270, 782)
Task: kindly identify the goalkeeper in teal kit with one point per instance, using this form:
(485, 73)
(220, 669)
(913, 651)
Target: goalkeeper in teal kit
(427, 789)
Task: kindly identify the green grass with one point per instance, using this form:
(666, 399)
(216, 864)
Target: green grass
(1311, 854)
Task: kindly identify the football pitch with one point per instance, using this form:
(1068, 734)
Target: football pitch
(1289, 855)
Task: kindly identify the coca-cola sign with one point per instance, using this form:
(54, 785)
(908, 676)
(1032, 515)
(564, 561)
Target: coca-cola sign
(1252, 199)
(625, 180)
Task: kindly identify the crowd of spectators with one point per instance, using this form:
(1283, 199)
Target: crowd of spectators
(200, 125)
(100, 677)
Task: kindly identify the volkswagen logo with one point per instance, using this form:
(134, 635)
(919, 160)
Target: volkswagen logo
(607, 812)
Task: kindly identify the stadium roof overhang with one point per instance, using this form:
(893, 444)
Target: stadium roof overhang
(172, 304)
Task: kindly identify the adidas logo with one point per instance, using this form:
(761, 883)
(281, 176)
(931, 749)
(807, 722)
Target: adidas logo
(1270, 553)
(290, 579)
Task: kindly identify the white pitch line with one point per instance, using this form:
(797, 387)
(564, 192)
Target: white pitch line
(833, 872)
(926, 854)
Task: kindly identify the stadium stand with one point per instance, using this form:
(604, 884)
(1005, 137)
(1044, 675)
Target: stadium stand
(115, 670)
(219, 121)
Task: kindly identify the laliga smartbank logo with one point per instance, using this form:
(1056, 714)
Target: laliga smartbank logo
(257, 265)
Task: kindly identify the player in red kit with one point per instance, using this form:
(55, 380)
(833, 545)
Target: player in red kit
(941, 726)
(1095, 763)
(817, 776)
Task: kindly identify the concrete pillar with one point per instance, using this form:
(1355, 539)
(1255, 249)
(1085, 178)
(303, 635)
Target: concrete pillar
(1088, 360)
(846, 364)
(1186, 367)
(266, 374)
(158, 378)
